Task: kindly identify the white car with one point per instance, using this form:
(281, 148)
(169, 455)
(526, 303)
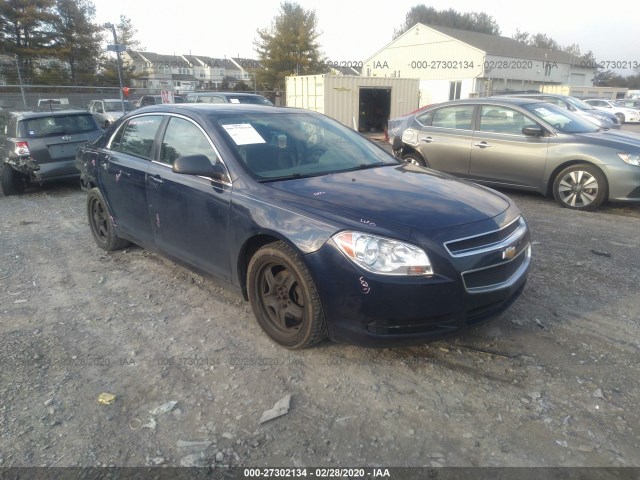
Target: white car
(107, 111)
(624, 114)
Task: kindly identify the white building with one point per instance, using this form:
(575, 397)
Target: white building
(454, 63)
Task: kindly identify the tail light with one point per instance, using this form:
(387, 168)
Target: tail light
(22, 149)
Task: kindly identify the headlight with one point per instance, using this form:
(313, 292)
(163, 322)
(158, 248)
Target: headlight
(383, 255)
(410, 137)
(630, 158)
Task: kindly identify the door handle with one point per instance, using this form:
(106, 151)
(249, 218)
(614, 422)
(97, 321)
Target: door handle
(481, 144)
(427, 140)
(156, 179)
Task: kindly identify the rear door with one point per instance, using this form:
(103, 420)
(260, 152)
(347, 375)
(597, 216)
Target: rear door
(189, 214)
(501, 154)
(445, 138)
(122, 174)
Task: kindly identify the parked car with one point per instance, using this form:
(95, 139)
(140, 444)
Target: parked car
(108, 110)
(624, 114)
(629, 103)
(227, 97)
(146, 100)
(526, 144)
(598, 117)
(324, 232)
(39, 146)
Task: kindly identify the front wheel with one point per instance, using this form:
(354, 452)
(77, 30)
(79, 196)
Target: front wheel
(284, 297)
(581, 187)
(414, 159)
(12, 182)
(101, 223)
(620, 117)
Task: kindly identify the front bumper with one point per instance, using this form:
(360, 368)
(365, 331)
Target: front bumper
(376, 310)
(624, 182)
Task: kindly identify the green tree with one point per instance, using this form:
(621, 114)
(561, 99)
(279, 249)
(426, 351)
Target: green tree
(288, 47)
(77, 39)
(473, 21)
(26, 30)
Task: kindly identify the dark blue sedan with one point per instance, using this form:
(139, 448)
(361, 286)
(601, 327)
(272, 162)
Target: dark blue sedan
(325, 233)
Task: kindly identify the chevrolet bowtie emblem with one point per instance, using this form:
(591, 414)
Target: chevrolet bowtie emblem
(66, 137)
(508, 253)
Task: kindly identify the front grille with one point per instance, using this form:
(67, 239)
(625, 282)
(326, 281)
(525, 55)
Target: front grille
(497, 275)
(470, 245)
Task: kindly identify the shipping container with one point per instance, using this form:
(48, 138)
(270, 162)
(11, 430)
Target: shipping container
(362, 103)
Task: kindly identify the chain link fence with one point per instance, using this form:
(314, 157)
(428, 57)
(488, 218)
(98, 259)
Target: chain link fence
(25, 97)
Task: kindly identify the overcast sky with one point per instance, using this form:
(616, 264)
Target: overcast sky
(354, 30)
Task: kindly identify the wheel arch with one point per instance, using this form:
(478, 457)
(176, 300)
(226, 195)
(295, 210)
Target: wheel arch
(248, 250)
(548, 188)
(406, 149)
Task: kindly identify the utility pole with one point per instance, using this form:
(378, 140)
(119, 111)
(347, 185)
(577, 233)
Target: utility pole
(118, 49)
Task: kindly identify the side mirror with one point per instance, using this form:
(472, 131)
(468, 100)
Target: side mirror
(199, 165)
(533, 131)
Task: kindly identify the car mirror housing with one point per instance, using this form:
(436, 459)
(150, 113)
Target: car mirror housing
(533, 130)
(199, 165)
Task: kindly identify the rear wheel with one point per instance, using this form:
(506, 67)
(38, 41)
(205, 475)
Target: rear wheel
(581, 187)
(415, 159)
(12, 182)
(284, 297)
(101, 223)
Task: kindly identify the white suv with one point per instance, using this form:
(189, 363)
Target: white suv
(624, 114)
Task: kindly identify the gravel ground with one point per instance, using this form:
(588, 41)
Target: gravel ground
(552, 382)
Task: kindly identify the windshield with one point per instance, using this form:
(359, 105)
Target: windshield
(293, 145)
(255, 100)
(579, 104)
(559, 118)
(117, 106)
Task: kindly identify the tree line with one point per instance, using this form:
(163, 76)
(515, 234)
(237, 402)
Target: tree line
(58, 42)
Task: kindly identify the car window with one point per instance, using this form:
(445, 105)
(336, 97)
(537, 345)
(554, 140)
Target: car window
(425, 118)
(254, 100)
(560, 118)
(556, 101)
(117, 106)
(459, 117)
(503, 120)
(184, 138)
(137, 136)
(57, 125)
(210, 99)
(294, 145)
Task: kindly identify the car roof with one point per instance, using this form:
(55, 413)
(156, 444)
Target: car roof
(204, 108)
(235, 94)
(497, 100)
(37, 113)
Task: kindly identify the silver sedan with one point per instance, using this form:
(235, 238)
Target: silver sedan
(526, 144)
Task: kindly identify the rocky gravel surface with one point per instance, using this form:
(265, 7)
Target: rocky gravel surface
(551, 382)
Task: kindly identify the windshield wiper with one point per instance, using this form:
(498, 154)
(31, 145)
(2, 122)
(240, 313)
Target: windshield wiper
(364, 166)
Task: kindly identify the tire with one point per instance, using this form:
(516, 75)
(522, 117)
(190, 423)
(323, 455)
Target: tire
(12, 182)
(580, 187)
(106, 124)
(284, 297)
(101, 223)
(415, 159)
(620, 117)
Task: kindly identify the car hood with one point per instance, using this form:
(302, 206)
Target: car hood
(406, 195)
(613, 138)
